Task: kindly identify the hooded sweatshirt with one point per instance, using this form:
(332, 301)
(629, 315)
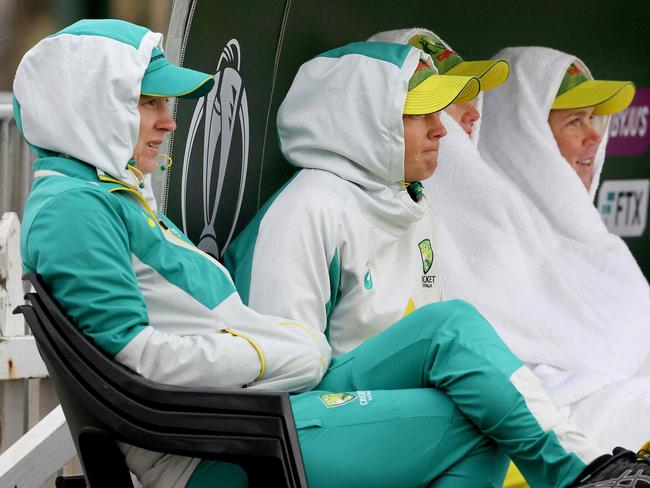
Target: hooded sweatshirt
(128, 277)
(580, 306)
(342, 246)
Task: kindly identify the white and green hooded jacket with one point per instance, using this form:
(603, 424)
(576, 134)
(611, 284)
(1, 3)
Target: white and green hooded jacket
(131, 280)
(343, 247)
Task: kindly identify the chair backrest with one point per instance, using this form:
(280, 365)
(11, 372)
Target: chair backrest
(105, 402)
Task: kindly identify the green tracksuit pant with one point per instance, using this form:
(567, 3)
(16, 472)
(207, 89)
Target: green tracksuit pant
(435, 400)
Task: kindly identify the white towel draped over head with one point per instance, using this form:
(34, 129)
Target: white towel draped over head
(576, 301)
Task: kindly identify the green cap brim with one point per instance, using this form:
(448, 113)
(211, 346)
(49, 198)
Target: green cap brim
(438, 92)
(174, 81)
(608, 97)
(492, 73)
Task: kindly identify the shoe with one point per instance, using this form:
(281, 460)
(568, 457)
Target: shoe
(621, 469)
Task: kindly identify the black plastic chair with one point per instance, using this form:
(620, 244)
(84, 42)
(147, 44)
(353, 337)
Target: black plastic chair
(104, 403)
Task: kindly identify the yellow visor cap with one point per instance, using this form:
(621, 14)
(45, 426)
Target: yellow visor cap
(438, 92)
(492, 73)
(608, 97)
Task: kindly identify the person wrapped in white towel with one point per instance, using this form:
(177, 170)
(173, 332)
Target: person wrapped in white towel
(578, 308)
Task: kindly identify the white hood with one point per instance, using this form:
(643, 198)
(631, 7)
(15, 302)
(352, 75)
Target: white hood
(87, 105)
(402, 36)
(343, 114)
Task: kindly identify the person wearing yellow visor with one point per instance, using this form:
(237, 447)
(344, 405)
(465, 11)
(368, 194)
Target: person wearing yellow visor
(491, 73)
(579, 100)
(452, 189)
(588, 302)
(368, 142)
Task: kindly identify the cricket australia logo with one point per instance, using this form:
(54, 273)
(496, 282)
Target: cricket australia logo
(332, 400)
(217, 170)
(426, 253)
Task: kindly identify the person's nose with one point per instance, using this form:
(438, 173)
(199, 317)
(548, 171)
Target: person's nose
(166, 122)
(592, 136)
(436, 127)
(471, 115)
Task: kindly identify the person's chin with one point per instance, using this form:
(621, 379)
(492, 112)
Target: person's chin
(429, 172)
(432, 164)
(584, 173)
(586, 180)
